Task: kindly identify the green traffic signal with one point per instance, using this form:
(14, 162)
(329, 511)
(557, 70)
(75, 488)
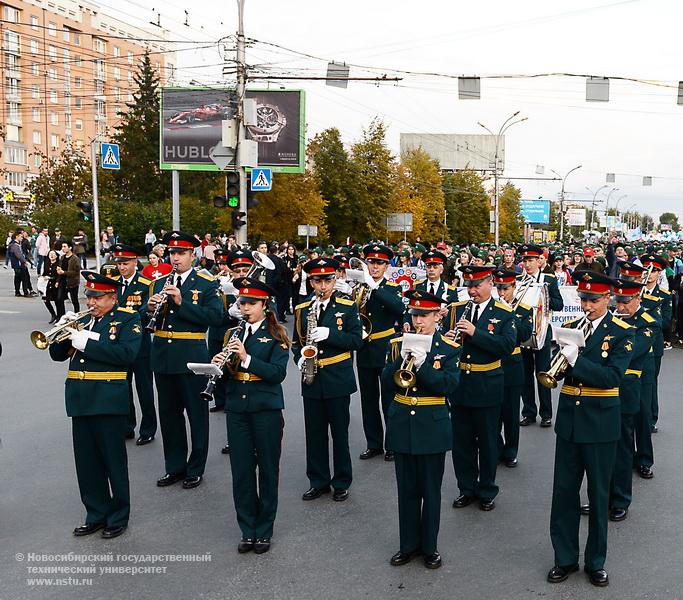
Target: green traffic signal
(233, 201)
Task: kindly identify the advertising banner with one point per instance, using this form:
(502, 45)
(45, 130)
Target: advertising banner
(191, 126)
(406, 277)
(535, 211)
(572, 306)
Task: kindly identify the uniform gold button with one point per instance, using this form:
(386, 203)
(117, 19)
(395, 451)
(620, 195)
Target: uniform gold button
(321, 352)
(170, 311)
(412, 412)
(169, 341)
(415, 389)
(369, 314)
(243, 396)
(82, 360)
(170, 326)
(578, 403)
(469, 356)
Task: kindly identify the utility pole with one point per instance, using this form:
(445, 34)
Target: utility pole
(595, 195)
(241, 233)
(562, 199)
(94, 146)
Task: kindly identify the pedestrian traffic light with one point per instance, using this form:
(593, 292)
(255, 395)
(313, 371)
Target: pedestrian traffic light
(220, 201)
(232, 189)
(86, 210)
(238, 219)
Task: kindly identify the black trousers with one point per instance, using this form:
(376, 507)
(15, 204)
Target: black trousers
(536, 361)
(508, 433)
(22, 278)
(373, 406)
(72, 293)
(144, 385)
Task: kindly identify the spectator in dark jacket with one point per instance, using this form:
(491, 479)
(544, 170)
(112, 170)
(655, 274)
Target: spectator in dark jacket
(20, 265)
(70, 272)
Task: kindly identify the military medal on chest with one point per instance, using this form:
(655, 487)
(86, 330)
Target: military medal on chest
(195, 296)
(113, 326)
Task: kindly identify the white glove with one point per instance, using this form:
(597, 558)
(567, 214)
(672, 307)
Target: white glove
(227, 286)
(234, 310)
(343, 286)
(420, 355)
(67, 316)
(570, 352)
(372, 284)
(320, 333)
(300, 363)
(79, 339)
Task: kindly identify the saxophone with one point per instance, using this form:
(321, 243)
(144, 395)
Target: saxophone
(310, 349)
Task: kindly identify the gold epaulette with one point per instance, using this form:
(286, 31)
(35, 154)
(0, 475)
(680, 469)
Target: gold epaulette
(505, 307)
(525, 306)
(392, 283)
(226, 336)
(144, 281)
(667, 292)
(303, 305)
(420, 282)
(450, 342)
(396, 339)
(568, 323)
(206, 276)
(622, 324)
(651, 297)
(344, 301)
(126, 309)
(450, 287)
(116, 277)
(460, 303)
(549, 274)
(648, 317)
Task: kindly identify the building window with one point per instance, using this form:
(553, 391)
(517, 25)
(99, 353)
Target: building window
(34, 22)
(37, 138)
(52, 52)
(53, 96)
(77, 38)
(36, 115)
(54, 118)
(12, 86)
(99, 69)
(79, 124)
(37, 160)
(33, 45)
(77, 81)
(117, 52)
(11, 39)
(66, 55)
(52, 28)
(52, 73)
(117, 73)
(99, 45)
(130, 57)
(12, 133)
(16, 179)
(65, 33)
(10, 14)
(13, 112)
(77, 61)
(35, 91)
(15, 156)
(78, 102)
(99, 88)
(54, 141)
(12, 62)
(35, 70)
(117, 94)
(130, 77)
(67, 121)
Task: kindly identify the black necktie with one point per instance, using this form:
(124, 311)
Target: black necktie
(179, 281)
(321, 314)
(475, 318)
(249, 332)
(431, 288)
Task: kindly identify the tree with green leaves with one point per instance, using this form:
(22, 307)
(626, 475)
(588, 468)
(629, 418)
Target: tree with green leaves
(62, 179)
(467, 206)
(669, 218)
(510, 222)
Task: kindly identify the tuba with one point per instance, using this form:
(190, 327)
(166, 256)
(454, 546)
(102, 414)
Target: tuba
(559, 364)
(58, 334)
(361, 294)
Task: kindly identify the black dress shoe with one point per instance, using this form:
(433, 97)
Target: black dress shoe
(262, 545)
(546, 422)
(130, 435)
(144, 440)
(646, 472)
(314, 493)
(527, 421)
(433, 561)
(370, 453)
(389, 456)
(216, 409)
(112, 532)
(170, 479)
(225, 449)
(618, 514)
(192, 482)
(340, 495)
(53, 320)
(598, 577)
(87, 529)
(487, 505)
(403, 558)
(462, 501)
(510, 463)
(585, 509)
(558, 574)
(245, 545)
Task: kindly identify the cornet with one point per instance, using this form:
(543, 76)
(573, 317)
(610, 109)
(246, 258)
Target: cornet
(405, 377)
(58, 334)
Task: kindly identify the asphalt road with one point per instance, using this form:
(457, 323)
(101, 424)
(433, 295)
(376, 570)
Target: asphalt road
(321, 549)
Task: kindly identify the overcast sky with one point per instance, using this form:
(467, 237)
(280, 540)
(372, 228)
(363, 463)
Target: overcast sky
(638, 133)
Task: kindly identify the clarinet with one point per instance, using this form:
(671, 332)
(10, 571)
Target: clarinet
(237, 334)
(459, 336)
(152, 325)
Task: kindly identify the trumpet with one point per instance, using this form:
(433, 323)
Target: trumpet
(559, 364)
(361, 294)
(405, 377)
(58, 334)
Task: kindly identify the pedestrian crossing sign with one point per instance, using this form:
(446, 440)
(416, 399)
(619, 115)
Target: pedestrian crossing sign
(110, 158)
(261, 180)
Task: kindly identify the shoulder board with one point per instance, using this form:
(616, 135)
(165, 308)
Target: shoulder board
(303, 305)
(549, 275)
(524, 306)
(126, 310)
(651, 297)
(450, 287)
(206, 276)
(667, 292)
(396, 339)
(344, 301)
(420, 281)
(505, 307)
(392, 283)
(450, 342)
(648, 318)
(461, 303)
(623, 324)
(144, 280)
(116, 277)
(568, 323)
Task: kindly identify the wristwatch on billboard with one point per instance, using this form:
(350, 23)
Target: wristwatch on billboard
(270, 122)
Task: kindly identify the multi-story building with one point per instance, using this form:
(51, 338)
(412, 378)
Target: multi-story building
(67, 70)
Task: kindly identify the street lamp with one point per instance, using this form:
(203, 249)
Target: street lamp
(562, 198)
(595, 195)
(614, 189)
(509, 122)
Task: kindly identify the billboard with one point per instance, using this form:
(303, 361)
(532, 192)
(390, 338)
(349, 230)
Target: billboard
(576, 217)
(535, 211)
(455, 152)
(191, 126)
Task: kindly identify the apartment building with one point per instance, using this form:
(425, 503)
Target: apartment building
(67, 70)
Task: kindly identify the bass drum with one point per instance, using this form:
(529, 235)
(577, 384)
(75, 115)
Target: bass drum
(537, 298)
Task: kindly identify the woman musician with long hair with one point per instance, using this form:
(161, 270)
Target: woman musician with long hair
(254, 403)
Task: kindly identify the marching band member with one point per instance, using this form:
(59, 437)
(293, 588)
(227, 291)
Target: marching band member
(384, 308)
(489, 333)
(588, 428)
(513, 370)
(192, 303)
(536, 361)
(253, 406)
(332, 324)
(100, 356)
(418, 429)
(133, 293)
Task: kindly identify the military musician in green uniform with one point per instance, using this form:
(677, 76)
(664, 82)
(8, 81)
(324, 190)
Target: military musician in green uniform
(588, 428)
(327, 328)
(256, 353)
(99, 356)
(419, 378)
(189, 302)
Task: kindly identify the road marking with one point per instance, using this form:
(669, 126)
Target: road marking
(9, 312)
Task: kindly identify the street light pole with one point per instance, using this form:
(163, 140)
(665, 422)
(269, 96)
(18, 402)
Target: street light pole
(241, 233)
(496, 204)
(595, 195)
(562, 198)
(607, 205)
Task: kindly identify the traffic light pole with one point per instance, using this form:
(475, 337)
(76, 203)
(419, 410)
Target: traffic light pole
(241, 233)
(95, 202)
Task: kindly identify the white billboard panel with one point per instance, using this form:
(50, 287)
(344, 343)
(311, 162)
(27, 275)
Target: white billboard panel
(455, 151)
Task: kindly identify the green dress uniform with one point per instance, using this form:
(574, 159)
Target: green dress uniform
(588, 428)
(254, 403)
(384, 309)
(419, 433)
(327, 398)
(658, 302)
(441, 289)
(215, 337)
(476, 402)
(180, 339)
(621, 487)
(134, 295)
(97, 402)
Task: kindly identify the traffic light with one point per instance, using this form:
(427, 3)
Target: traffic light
(238, 219)
(232, 189)
(86, 210)
(220, 201)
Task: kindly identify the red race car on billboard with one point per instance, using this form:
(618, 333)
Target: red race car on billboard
(208, 112)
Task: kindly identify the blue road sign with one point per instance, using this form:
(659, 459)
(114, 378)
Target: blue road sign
(261, 180)
(535, 211)
(110, 157)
